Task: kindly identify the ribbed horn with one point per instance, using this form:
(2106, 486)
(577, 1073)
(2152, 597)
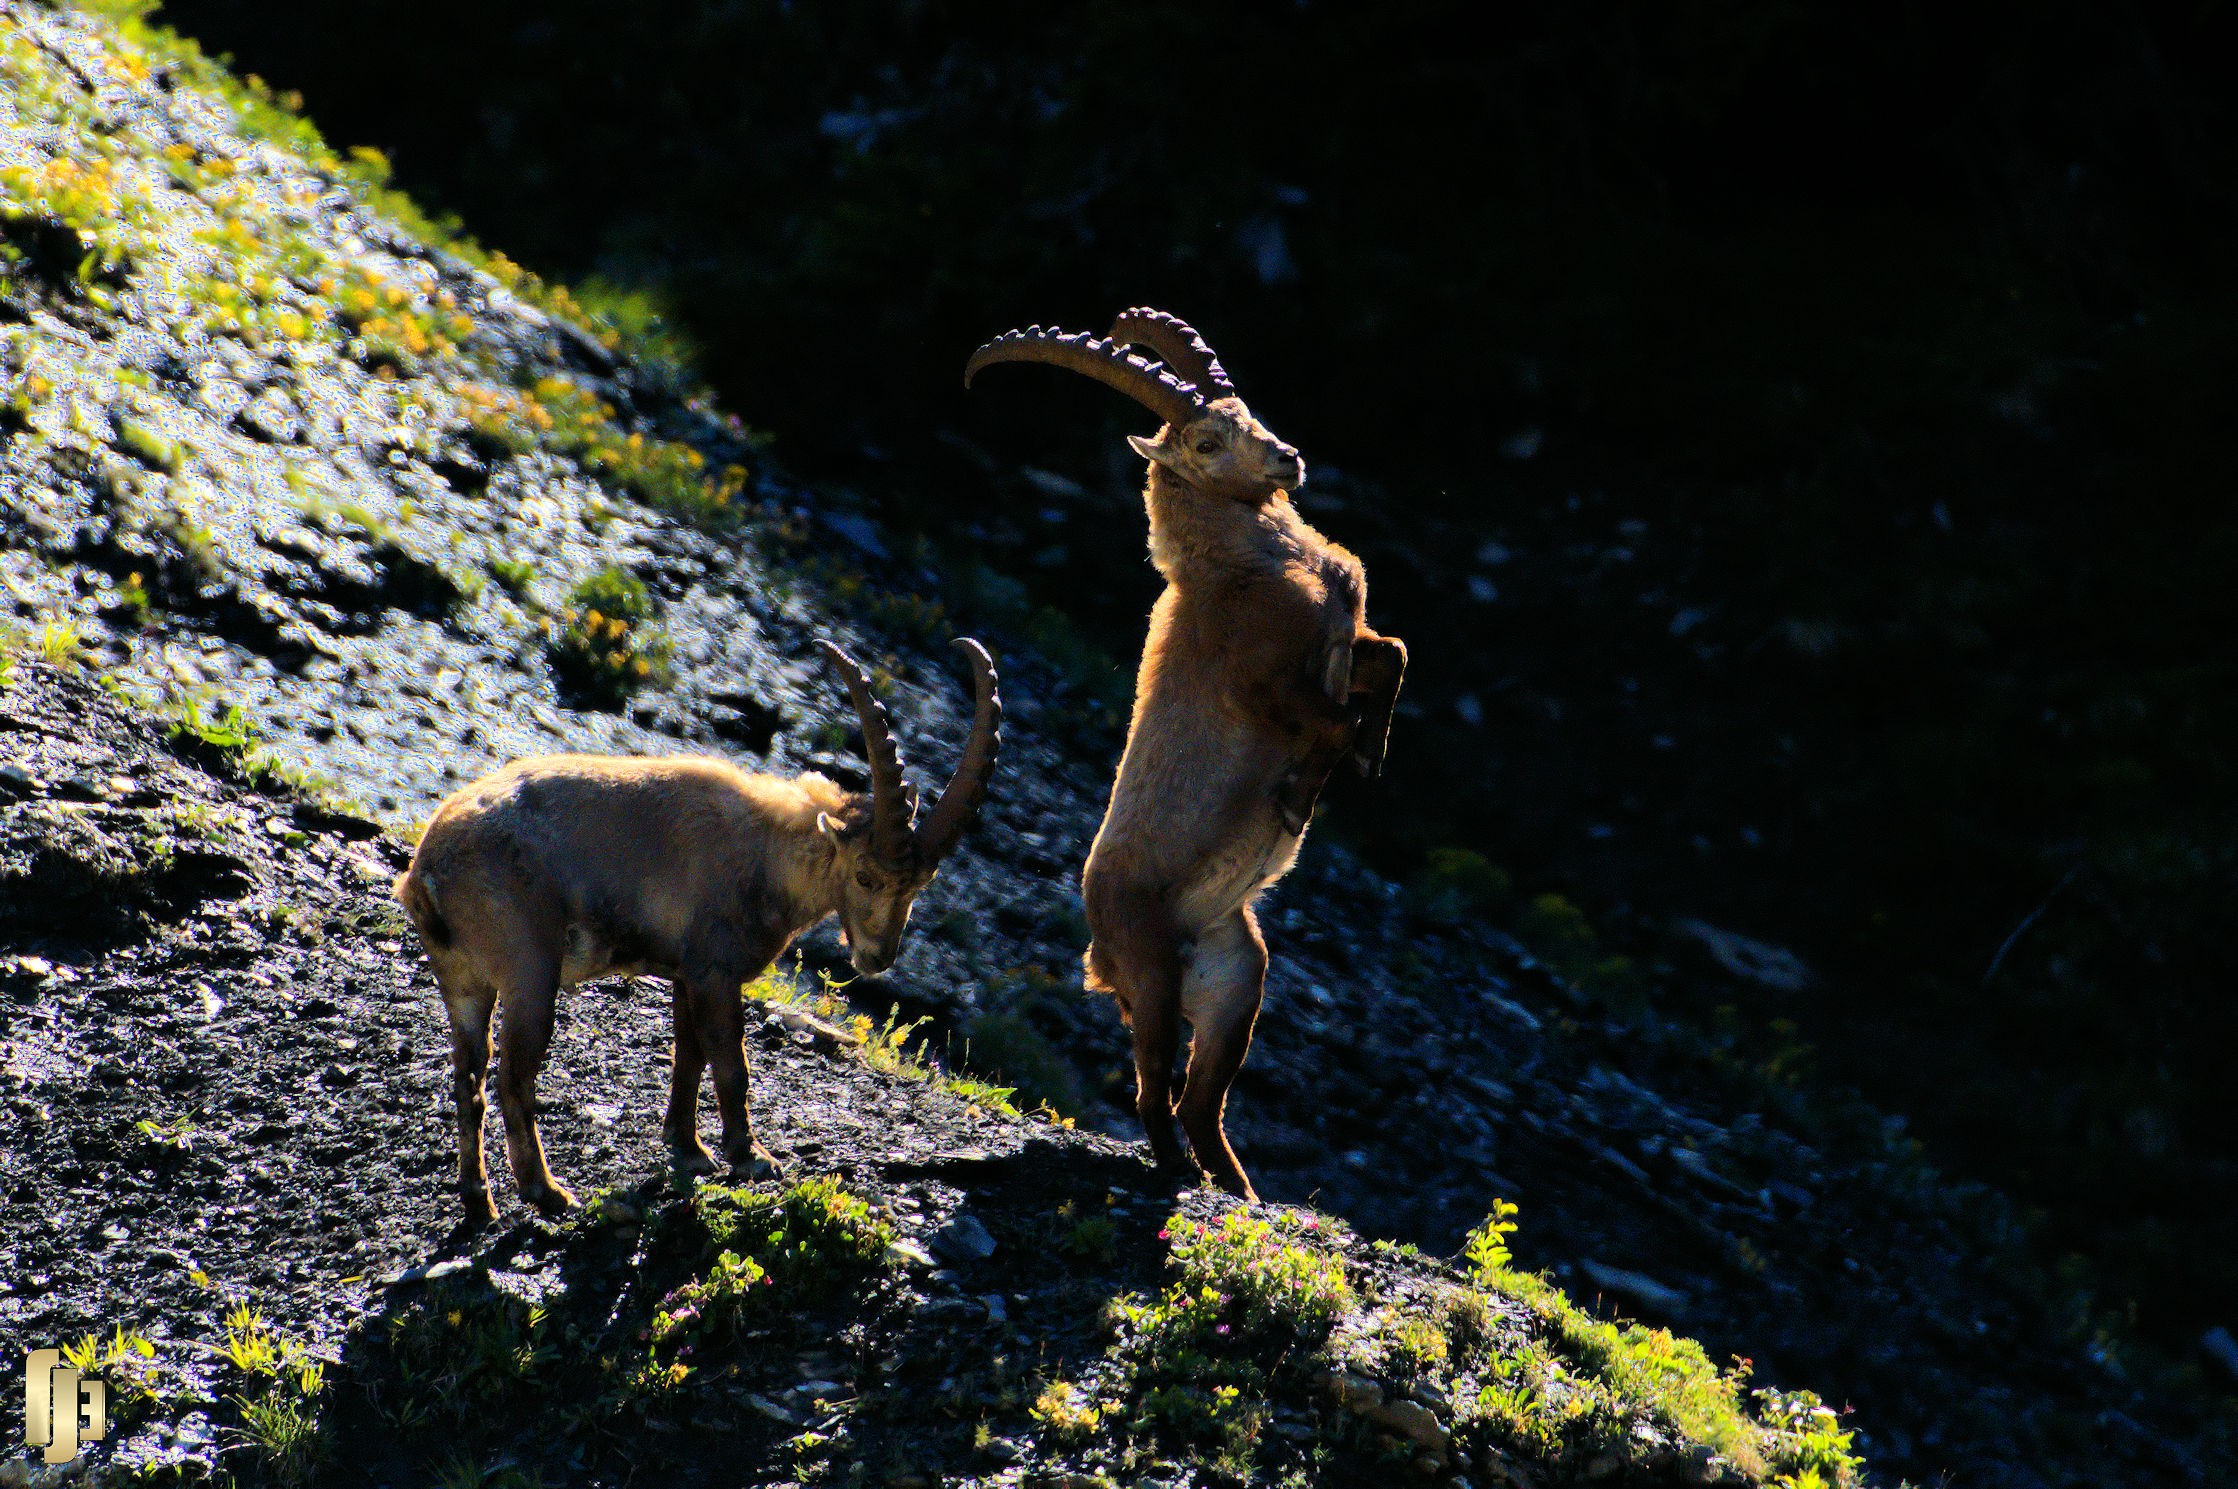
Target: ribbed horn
(1178, 345)
(967, 788)
(1154, 388)
(893, 801)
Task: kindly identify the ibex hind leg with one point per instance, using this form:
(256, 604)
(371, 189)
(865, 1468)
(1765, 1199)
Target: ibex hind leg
(1221, 994)
(1136, 956)
(469, 1004)
(526, 993)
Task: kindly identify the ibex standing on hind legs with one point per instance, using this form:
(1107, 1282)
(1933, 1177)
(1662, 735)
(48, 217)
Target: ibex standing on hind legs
(556, 870)
(1259, 677)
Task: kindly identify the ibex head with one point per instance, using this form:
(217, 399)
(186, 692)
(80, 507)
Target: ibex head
(1210, 440)
(883, 855)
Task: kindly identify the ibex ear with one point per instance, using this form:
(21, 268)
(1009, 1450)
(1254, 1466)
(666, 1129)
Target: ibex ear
(1150, 449)
(828, 827)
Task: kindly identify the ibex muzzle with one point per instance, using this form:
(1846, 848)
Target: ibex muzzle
(568, 867)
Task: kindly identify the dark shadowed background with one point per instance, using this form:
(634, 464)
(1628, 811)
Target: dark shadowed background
(1792, 439)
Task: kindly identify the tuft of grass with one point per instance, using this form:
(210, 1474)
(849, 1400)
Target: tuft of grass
(227, 742)
(126, 1362)
(279, 1398)
(1092, 1238)
(60, 645)
(893, 1048)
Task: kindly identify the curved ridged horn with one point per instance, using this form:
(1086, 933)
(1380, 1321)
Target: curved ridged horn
(1114, 366)
(967, 788)
(893, 802)
(1178, 345)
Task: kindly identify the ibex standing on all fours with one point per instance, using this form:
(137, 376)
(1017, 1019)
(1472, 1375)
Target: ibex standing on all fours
(1259, 677)
(559, 869)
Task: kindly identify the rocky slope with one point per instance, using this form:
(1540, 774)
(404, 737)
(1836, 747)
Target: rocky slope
(227, 1164)
(275, 445)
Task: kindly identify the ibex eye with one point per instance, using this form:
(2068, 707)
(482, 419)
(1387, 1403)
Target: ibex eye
(1207, 446)
(863, 880)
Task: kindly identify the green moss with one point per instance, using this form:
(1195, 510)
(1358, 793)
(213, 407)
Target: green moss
(146, 443)
(517, 576)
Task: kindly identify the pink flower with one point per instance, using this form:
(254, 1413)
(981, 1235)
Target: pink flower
(1165, 1235)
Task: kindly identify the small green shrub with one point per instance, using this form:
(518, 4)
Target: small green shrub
(61, 645)
(1559, 935)
(1254, 1303)
(1456, 883)
(812, 1238)
(1007, 1048)
(602, 645)
(1066, 1414)
(1415, 1346)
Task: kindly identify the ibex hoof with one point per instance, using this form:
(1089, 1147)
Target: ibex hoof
(549, 1199)
(479, 1209)
(692, 1157)
(755, 1164)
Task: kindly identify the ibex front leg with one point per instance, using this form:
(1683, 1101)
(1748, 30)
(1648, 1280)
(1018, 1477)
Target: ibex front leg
(719, 1022)
(1379, 663)
(681, 1125)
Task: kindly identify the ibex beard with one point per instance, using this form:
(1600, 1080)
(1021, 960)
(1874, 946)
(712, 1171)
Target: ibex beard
(1258, 678)
(556, 870)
